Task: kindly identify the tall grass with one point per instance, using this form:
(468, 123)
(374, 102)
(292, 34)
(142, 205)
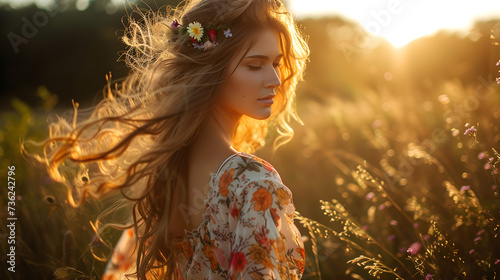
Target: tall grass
(415, 189)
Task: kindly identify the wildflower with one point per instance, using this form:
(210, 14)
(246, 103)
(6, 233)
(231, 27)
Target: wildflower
(175, 24)
(211, 34)
(487, 166)
(481, 155)
(195, 30)
(208, 45)
(494, 187)
(480, 232)
(227, 33)
(471, 252)
(416, 225)
(455, 132)
(414, 248)
(477, 239)
(470, 131)
(497, 261)
(393, 223)
(391, 237)
(429, 277)
(498, 63)
(365, 227)
(369, 196)
(498, 81)
(465, 188)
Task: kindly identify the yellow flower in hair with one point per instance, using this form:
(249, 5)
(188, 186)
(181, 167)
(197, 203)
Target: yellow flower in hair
(195, 30)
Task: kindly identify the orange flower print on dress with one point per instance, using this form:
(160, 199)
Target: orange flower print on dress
(225, 180)
(259, 256)
(263, 199)
(301, 264)
(280, 245)
(186, 248)
(212, 257)
(282, 270)
(283, 197)
(276, 217)
(237, 263)
(263, 240)
(234, 211)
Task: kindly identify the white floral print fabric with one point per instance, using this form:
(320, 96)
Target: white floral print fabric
(247, 231)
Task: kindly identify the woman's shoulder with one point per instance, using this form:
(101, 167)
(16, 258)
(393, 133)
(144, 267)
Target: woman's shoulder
(246, 163)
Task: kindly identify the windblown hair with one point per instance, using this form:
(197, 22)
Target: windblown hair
(136, 139)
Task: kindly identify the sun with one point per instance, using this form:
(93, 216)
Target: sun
(401, 21)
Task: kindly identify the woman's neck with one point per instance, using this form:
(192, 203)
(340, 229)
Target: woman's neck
(214, 139)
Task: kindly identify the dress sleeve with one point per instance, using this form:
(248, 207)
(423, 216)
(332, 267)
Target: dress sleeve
(265, 243)
(122, 261)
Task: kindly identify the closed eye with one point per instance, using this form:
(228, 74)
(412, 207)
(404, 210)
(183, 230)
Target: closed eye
(254, 68)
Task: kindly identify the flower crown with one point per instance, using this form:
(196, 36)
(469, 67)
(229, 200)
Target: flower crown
(200, 39)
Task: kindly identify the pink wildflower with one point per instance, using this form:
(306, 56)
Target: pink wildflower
(369, 196)
(429, 277)
(481, 155)
(175, 24)
(470, 131)
(414, 248)
(465, 188)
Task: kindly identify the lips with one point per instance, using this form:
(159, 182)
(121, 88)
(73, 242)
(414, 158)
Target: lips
(270, 96)
(267, 100)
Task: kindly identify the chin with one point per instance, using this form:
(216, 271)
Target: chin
(263, 116)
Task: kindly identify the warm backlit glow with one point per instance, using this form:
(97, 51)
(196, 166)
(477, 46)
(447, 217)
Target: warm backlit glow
(401, 21)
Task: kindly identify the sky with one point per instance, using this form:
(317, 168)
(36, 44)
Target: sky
(398, 21)
(401, 21)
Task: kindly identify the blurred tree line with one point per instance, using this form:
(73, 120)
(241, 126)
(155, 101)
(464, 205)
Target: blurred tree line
(70, 51)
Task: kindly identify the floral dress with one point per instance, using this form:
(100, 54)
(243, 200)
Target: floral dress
(247, 230)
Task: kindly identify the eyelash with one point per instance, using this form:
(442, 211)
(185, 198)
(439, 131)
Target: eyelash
(255, 68)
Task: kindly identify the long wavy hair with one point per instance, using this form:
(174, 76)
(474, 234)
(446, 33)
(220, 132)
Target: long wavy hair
(136, 139)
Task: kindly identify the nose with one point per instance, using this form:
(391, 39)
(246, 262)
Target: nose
(273, 78)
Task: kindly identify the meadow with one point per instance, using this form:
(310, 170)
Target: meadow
(394, 172)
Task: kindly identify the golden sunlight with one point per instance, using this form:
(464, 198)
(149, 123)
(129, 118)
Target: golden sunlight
(401, 21)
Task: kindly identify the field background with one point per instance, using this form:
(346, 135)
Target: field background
(382, 151)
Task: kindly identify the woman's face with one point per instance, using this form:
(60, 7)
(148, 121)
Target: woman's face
(251, 88)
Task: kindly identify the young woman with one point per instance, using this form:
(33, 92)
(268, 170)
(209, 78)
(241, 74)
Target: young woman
(208, 79)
